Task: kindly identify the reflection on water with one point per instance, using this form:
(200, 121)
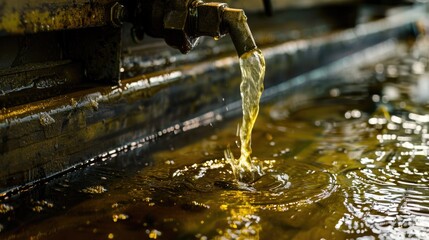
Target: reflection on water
(390, 194)
(344, 161)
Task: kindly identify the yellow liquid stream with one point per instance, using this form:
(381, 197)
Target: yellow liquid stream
(252, 65)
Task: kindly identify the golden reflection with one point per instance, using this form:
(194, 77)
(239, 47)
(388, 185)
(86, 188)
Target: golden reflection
(243, 221)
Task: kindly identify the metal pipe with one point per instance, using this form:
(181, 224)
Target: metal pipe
(217, 20)
(181, 23)
(239, 31)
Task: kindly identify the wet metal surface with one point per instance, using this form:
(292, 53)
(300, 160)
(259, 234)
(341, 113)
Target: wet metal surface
(50, 136)
(18, 17)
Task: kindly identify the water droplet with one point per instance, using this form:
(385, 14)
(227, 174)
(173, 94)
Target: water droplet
(334, 92)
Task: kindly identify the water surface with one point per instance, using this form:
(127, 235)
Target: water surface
(344, 160)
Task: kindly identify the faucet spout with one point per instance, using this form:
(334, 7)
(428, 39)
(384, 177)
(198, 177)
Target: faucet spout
(182, 22)
(236, 22)
(217, 20)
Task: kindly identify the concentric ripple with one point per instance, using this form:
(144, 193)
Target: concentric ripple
(391, 203)
(391, 193)
(284, 184)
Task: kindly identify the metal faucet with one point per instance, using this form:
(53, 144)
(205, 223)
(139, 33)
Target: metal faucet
(94, 28)
(182, 22)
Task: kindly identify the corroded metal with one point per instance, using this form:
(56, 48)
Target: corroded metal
(181, 23)
(236, 22)
(36, 33)
(94, 29)
(32, 16)
(93, 54)
(209, 18)
(18, 85)
(53, 135)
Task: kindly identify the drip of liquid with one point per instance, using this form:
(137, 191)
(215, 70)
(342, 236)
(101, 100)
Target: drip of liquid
(252, 66)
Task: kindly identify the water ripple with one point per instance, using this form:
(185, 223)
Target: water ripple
(283, 185)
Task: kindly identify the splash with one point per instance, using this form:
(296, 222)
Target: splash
(252, 66)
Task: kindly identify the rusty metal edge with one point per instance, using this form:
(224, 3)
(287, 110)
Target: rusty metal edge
(53, 135)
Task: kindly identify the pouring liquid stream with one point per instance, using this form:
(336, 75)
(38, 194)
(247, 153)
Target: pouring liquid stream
(252, 65)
